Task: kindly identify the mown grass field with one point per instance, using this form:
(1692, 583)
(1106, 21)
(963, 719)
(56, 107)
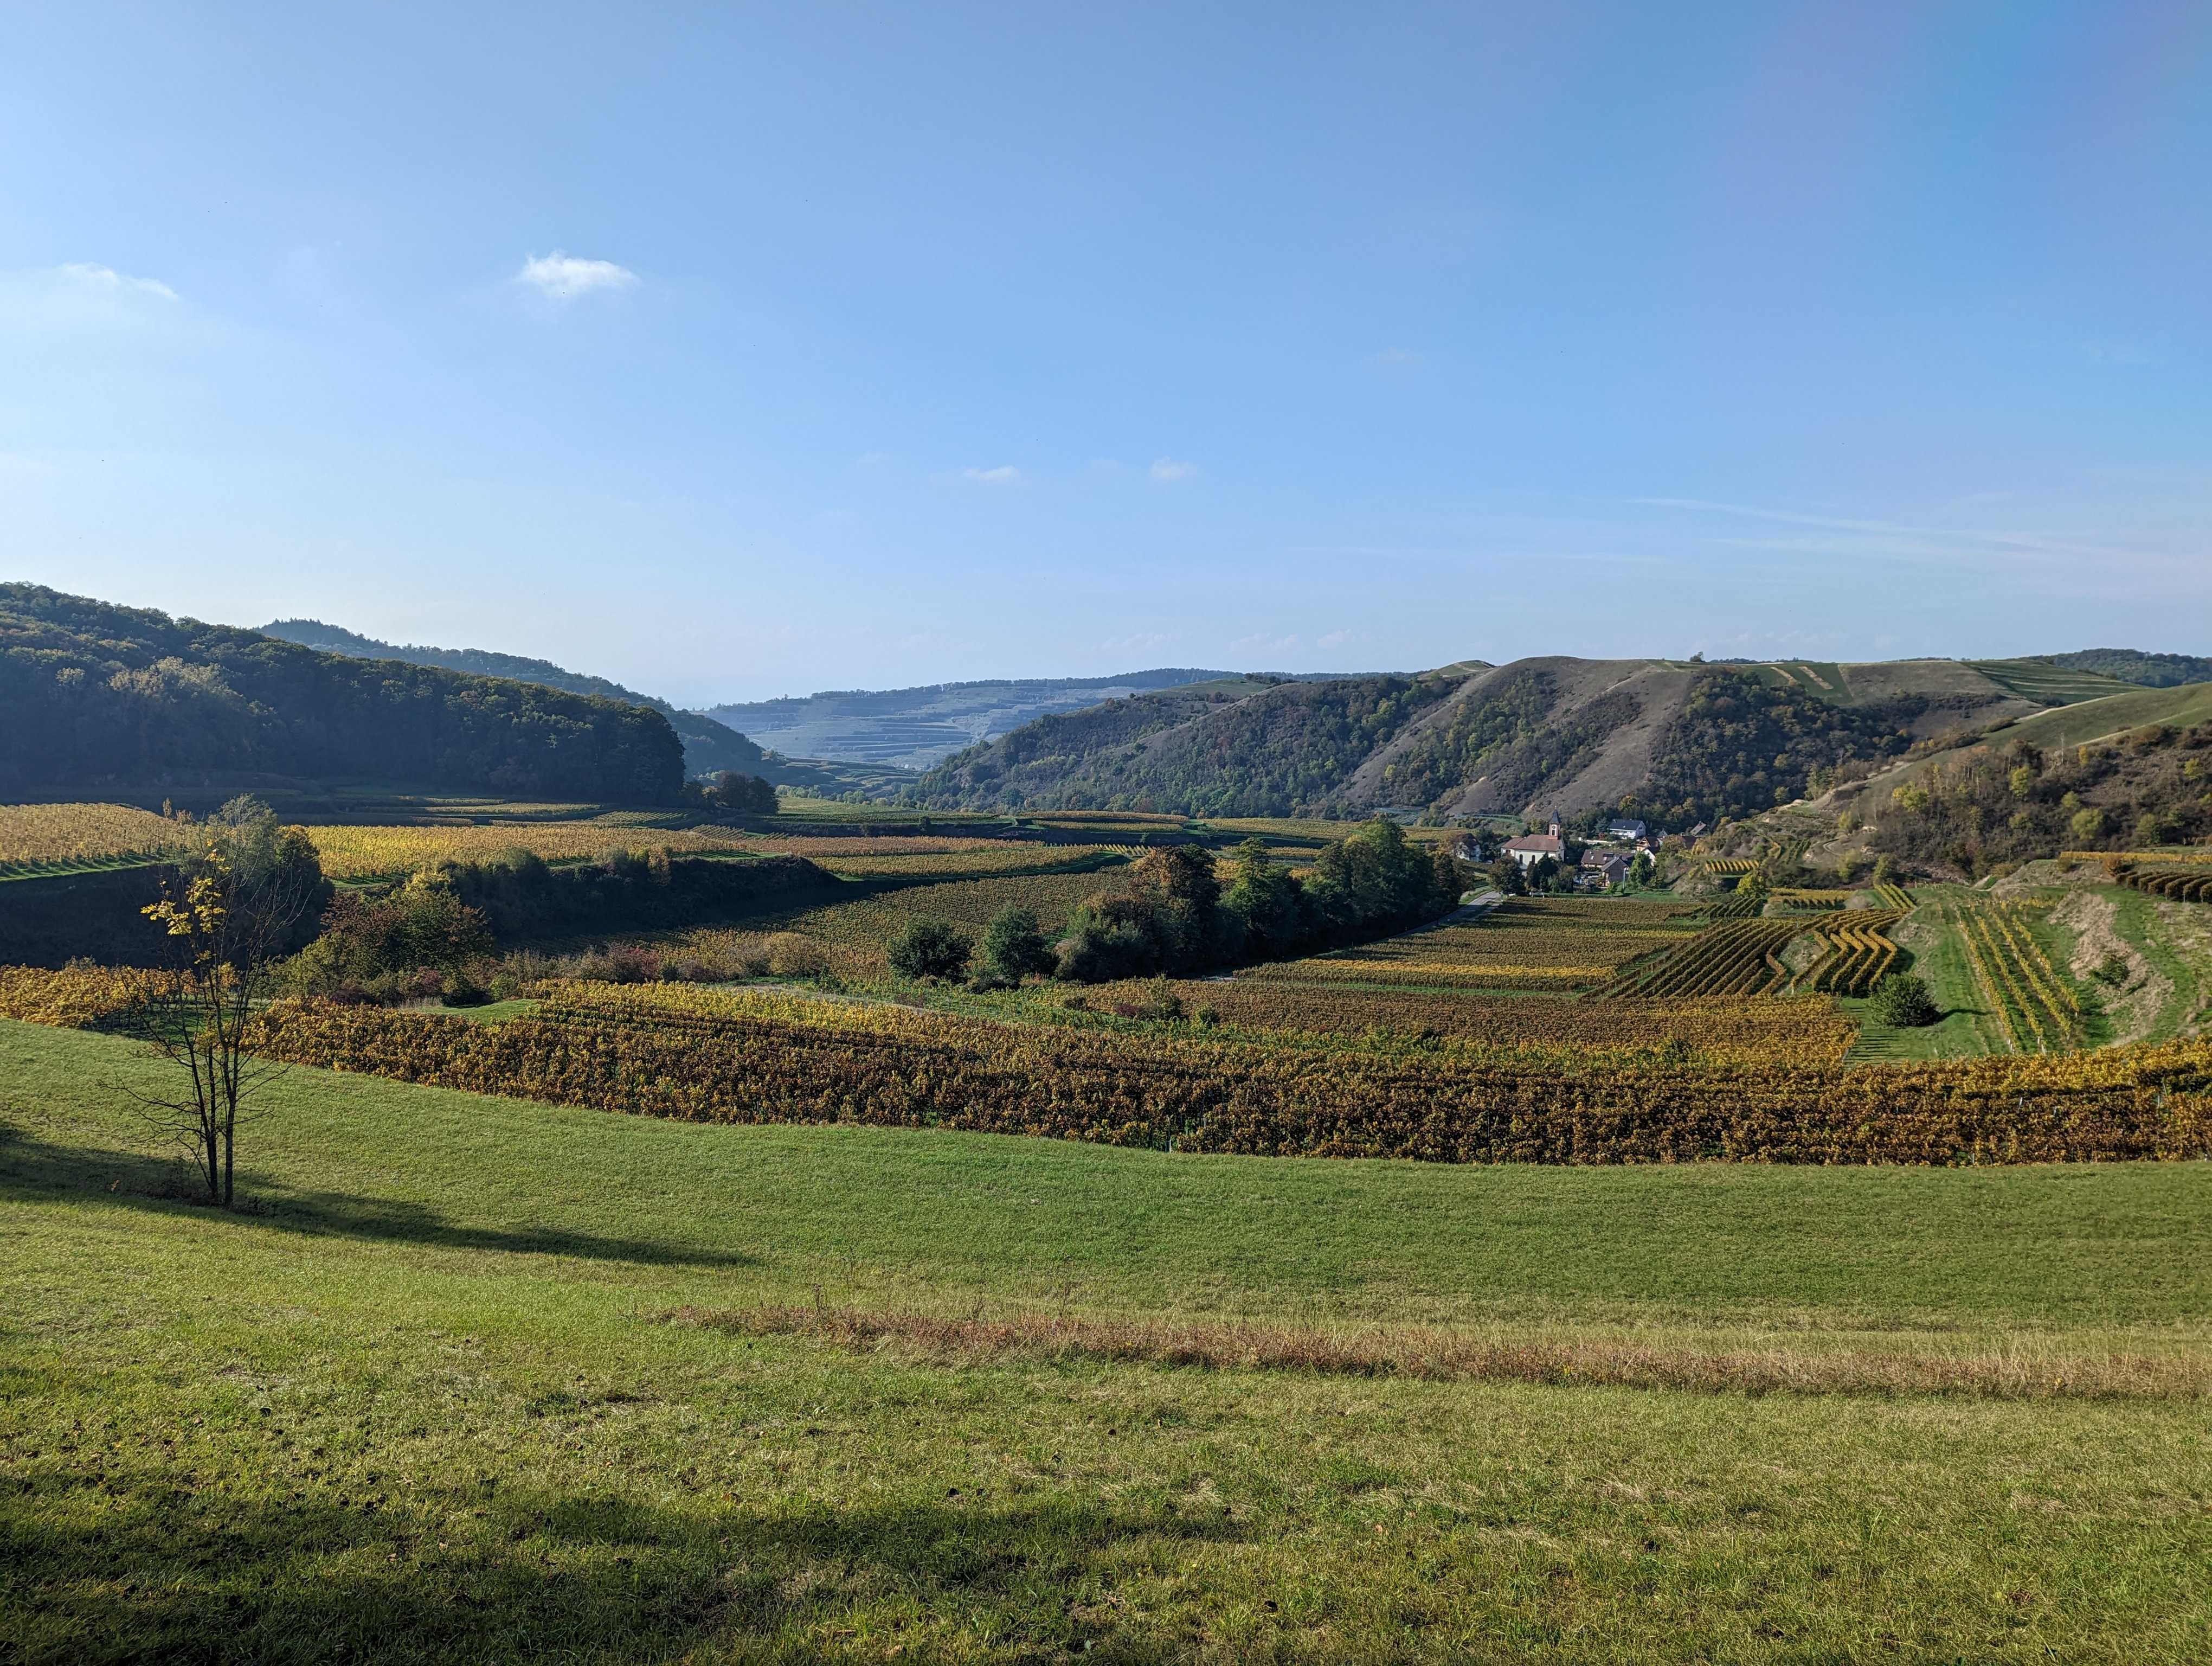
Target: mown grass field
(428, 1401)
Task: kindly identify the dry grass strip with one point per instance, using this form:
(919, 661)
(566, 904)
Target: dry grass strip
(1439, 1355)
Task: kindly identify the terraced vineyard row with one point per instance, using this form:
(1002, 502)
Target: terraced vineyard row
(2182, 885)
(1854, 958)
(1734, 907)
(1724, 865)
(1895, 897)
(2038, 1011)
(1739, 957)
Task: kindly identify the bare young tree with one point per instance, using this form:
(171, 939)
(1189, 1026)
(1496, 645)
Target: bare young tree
(230, 912)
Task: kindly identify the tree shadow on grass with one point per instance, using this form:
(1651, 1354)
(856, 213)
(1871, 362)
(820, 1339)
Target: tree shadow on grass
(30, 1166)
(155, 1574)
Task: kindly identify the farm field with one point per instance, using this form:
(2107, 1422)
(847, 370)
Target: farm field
(855, 934)
(482, 1378)
(1540, 943)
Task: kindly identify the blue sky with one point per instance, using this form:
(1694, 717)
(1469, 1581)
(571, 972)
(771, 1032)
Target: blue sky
(748, 350)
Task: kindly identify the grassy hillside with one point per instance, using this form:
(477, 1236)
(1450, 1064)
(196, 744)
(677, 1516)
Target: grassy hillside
(481, 1379)
(105, 700)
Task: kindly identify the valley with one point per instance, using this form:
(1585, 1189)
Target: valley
(1114, 1178)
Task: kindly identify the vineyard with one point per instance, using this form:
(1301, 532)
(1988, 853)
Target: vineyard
(1853, 958)
(376, 852)
(46, 838)
(1725, 866)
(710, 1055)
(2037, 1009)
(1736, 957)
(1542, 943)
(1390, 1017)
(2180, 885)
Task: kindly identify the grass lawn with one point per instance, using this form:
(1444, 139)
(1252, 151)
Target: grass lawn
(1966, 1029)
(427, 1401)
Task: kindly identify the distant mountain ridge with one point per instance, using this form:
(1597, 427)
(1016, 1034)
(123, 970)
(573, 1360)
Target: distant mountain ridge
(708, 746)
(914, 728)
(1675, 741)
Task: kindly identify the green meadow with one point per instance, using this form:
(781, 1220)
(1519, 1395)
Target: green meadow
(475, 1379)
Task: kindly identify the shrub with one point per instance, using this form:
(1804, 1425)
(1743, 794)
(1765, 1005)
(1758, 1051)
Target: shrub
(1902, 999)
(931, 949)
(790, 954)
(2113, 969)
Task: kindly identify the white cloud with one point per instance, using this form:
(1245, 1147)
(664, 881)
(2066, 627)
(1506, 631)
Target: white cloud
(1005, 475)
(107, 281)
(564, 276)
(79, 293)
(1395, 360)
(1166, 468)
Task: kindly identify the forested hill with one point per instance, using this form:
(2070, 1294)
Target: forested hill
(2151, 671)
(708, 746)
(101, 699)
(1238, 747)
(1676, 742)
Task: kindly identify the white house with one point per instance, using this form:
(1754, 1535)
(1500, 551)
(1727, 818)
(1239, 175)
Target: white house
(1533, 848)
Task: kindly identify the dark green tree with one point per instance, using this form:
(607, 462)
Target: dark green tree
(1014, 946)
(930, 949)
(1902, 999)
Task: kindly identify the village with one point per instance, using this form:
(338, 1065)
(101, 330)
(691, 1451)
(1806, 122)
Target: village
(1614, 855)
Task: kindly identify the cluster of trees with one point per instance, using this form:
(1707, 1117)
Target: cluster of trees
(437, 933)
(744, 794)
(1204, 752)
(104, 699)
(1996, 807)
(1174, 916)
(2152, 670)
(1741, 745)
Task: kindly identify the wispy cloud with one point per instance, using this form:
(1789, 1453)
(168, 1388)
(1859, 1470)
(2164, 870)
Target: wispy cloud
(81, 292)
(107, 281)
(1005, 475)
(1979, 547)
(1142, 643)
(1167, 469)
(1395, 361)
(561, 276)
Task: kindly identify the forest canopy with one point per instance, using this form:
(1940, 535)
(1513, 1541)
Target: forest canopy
(103, 699)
